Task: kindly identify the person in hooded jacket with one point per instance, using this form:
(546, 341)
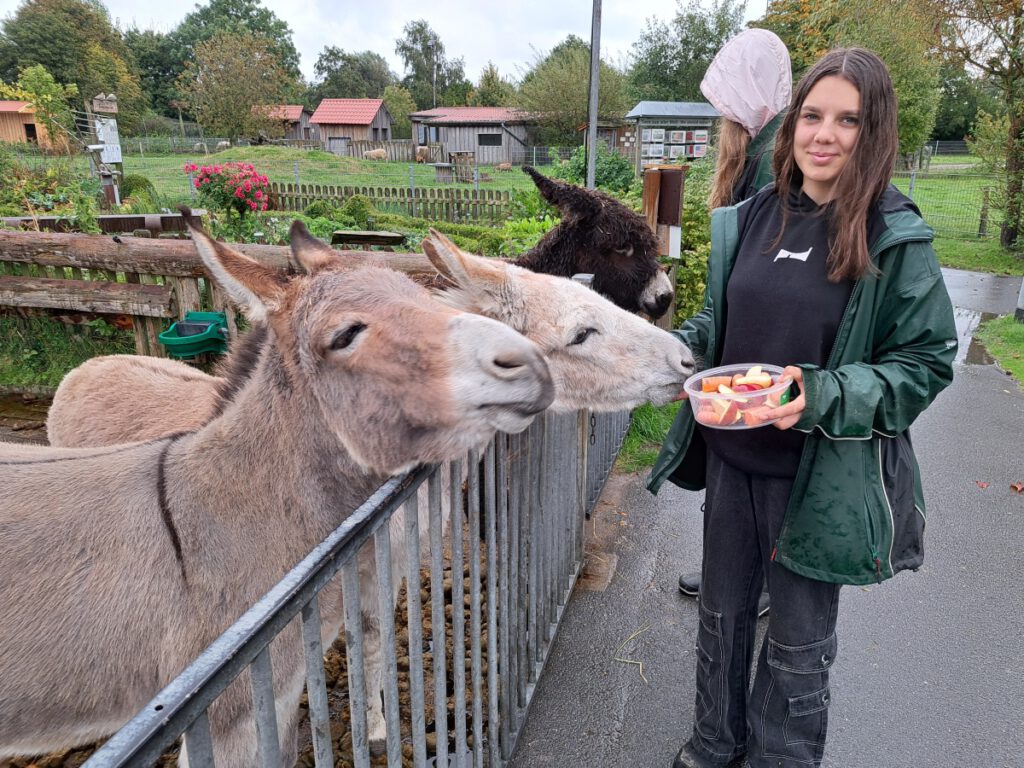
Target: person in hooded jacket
(749, 82)
(830, 273)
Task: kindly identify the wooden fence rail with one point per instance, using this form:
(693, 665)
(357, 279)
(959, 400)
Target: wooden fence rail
(153, 281)
(454, 204)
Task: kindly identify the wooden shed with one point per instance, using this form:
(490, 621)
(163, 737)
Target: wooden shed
(341, 121)
(18, 124)
(297, 121)
(493, 134)
(671, 130)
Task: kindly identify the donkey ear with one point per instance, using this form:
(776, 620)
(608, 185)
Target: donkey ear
(256, 289)
(477, 280)
(310, 253)
(569, 199)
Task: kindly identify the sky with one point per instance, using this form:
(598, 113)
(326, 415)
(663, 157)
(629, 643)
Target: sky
(510, 34)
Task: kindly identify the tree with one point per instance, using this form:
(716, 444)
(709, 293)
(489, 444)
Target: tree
(988, 35)
(670, 60)
(157, 67)
(351, 75)
(431, 78)
(557, 90)
(493, 90)
(400, 105)
(76, 43)
(231, 76)
(238, 17)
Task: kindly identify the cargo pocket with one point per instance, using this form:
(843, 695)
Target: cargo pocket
(799, 700)
(710, 674)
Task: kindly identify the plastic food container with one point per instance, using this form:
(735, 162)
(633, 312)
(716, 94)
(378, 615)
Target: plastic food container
(720, 396)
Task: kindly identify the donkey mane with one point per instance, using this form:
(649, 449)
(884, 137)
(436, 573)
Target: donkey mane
(237, 368)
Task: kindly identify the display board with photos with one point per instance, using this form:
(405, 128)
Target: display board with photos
(665, 143)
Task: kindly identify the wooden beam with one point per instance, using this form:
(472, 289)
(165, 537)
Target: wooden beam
(353, 237)
(87, 296)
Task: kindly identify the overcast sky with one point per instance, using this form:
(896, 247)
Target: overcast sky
(509, 33)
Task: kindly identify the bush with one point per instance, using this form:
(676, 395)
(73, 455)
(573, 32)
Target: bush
(321, 209)
(231, 187)
(359, 209)
(612, 172)
(138, 193)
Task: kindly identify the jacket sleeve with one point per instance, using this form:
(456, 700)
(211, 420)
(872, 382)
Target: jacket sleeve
(694, 333)
(909, 363)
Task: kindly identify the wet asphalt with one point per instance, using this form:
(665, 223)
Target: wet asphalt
(931, 664)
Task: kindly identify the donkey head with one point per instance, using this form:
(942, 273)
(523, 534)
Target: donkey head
(601, 236)
(601, 356)
(395, 376)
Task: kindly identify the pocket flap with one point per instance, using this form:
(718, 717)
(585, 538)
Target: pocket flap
(803, 659)
(809, 703)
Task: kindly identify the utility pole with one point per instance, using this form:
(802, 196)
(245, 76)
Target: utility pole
(595, 79)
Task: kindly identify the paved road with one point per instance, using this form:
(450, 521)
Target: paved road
(931, 665)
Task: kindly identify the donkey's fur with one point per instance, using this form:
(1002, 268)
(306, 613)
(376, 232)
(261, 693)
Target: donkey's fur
(601, 236)
(600, 357)
(118, 565)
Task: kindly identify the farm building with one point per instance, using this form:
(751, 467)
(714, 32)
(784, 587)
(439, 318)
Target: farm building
(341, 121)
(296, 119)
(18, 124)
(491, 134)
(671, 130)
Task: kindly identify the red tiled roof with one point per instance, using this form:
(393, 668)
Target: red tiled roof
(291, 113)
(347, 111)
(470, 115)
(16, 106)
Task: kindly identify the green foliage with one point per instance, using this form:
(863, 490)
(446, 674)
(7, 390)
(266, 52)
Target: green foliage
(669, 60)
(557, 90)
(52, 189)
(493, 90)
(520, 235)
(321, 209)
(40, 351)
(647, 431)
(229, 76)
(400, 105)
(139, 194)
(50, 100)
(359, 209)
(963, 96)
(691, 272)
(158, 70)
(362, 75)
(612, 171)
(987, 142)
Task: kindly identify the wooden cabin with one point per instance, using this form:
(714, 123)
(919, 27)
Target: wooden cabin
(341, 121)
(297, 121)
(18, 124)
(491, 134)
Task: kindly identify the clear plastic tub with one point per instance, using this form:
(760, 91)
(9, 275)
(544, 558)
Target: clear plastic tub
(736, 389)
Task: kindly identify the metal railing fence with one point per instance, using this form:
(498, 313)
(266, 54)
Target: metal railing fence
(515, 536)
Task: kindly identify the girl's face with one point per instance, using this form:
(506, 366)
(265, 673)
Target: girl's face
(826, 133)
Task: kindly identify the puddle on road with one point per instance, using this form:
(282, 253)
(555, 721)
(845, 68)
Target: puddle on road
(971, 351)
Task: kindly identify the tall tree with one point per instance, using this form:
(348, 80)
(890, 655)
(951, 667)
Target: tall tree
(238, 17)
(989, 36)
(400, 105)
(158, 69)
(670, 60)
(493, 90)
(556, 90)
(963, 96)
(76, 43)
(231, 76)
(431, 78)
(362, 75)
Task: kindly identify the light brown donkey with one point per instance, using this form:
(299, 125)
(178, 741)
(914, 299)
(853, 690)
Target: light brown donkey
(118, 565)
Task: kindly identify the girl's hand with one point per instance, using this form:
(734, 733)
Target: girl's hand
(788, 414)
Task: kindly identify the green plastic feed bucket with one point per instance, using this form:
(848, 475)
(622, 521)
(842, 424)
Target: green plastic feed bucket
(198, 333)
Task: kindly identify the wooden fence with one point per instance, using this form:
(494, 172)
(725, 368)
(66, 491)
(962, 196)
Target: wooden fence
(454, 204)
(152, 281)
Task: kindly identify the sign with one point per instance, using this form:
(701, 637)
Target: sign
(105, 103)
(110, 141)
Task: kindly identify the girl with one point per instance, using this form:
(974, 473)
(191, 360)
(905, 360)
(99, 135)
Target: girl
(832, 274)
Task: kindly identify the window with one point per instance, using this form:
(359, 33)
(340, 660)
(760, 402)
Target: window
(488, 139)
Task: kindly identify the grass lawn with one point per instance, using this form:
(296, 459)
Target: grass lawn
(289, 166)
(979, 255)
(1003, 337)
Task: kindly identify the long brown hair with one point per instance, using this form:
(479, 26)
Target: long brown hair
(869, 169)
(733, 141)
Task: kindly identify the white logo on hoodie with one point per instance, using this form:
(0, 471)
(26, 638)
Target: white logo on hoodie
(784, 254)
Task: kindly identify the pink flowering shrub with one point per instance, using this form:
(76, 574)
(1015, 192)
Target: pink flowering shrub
(231, 187)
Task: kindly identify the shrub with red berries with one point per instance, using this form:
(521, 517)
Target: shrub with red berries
(231, 187)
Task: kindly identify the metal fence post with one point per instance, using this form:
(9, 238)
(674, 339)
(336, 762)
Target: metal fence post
(295, 170)
(913, 178)
(412, 189)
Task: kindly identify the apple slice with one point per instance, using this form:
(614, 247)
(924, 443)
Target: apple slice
(762, 380)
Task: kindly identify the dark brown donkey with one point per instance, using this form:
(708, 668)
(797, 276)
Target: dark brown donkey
(118, 565)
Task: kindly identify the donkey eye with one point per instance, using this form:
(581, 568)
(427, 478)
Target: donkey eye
(346, 336)
(582, 335)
